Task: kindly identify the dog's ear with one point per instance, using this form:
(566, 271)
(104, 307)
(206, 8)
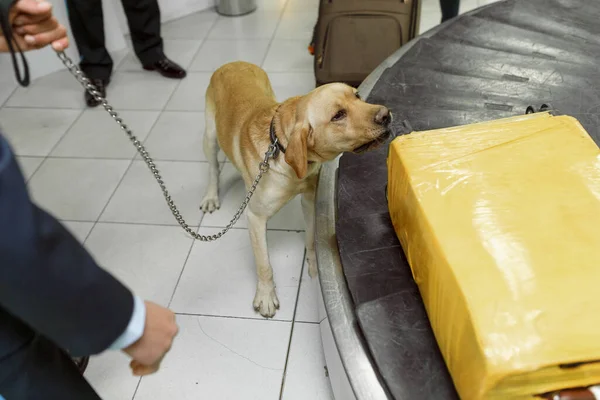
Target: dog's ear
(296, 154)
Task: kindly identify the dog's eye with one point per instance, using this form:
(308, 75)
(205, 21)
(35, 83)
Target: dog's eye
(339, 116)
(357, 95)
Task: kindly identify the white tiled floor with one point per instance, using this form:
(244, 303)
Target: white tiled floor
(82, 168)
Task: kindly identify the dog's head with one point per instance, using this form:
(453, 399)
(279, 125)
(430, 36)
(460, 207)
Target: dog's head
(328, 121)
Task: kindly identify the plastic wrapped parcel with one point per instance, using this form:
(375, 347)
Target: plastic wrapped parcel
(500, 222)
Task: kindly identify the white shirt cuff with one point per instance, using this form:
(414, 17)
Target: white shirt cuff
(135, 328)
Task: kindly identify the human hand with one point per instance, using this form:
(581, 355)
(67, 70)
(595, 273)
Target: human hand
(34, 27)
(160, 329)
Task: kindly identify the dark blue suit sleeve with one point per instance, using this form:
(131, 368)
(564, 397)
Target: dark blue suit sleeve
(48, 280)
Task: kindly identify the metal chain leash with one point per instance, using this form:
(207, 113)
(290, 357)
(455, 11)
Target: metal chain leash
(262, 169)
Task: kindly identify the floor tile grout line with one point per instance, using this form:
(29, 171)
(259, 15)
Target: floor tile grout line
(246, 228)
(5, 102)
(29, 156)
(131, 163)
(241, 228)
(272, 39)
(88, 234)
(287, 355)
(75, 121)
(111, 197)
(120, 159)
(152, 224)
(136, 388)
(257, 318)
(171, 160)
(34, 171)
(120, 109)
(187, 257)
(202, 42)
(127, 50)
(307, 323)
(56, 144)
(79, 117)
(164, 108)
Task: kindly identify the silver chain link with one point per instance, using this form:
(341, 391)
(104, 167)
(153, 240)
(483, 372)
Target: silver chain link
(262, 168)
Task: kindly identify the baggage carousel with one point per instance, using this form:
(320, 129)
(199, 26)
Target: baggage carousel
(491, 63)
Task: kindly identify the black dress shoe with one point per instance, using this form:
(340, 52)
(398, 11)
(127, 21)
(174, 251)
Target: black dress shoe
(167, 68)
(101, 87)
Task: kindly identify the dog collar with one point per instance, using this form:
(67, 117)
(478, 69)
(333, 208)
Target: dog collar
(274, 140)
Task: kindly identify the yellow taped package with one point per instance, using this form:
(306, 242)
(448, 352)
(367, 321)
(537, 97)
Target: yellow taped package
(500, 223)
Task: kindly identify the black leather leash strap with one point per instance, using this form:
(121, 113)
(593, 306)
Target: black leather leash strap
(21, 75)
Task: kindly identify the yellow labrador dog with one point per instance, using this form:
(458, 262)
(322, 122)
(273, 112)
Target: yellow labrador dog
(243, 119)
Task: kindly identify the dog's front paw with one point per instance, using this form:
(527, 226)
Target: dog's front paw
(210, 203)
(266, 302)
(311, 257)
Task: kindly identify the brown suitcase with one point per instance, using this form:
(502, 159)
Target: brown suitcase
(352, 37)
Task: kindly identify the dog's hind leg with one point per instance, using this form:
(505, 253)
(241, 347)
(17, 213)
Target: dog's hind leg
(210, 202)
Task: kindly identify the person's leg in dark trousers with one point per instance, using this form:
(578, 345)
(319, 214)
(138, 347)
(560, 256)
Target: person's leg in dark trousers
(87, 23)
(143, 18)
(40, 370)
(449, 9)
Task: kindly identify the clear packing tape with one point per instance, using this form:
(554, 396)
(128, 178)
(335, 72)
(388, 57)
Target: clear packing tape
(500, 222)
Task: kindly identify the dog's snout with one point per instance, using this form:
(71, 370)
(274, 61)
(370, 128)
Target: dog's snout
(383, 116)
